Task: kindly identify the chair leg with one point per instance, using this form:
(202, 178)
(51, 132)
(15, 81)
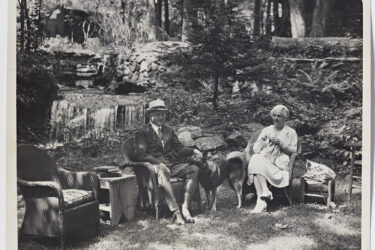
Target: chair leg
(302, 190)
(62, 232)
(331, 190)
(288, 196)
(157, 212)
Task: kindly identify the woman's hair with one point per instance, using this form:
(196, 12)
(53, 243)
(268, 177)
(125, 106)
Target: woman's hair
(282, 109)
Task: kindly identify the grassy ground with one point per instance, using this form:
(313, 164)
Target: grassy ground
(308, 226)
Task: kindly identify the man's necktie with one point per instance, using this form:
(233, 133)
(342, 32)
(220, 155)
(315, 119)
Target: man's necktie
(160, 136)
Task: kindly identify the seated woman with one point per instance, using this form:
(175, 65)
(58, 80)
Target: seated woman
(271, 157)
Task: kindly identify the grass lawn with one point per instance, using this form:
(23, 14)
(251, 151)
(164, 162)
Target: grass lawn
(308, 226)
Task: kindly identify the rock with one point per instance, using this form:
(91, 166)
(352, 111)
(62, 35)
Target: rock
(154, 66)
(87, 74)
(143, 66)
(162, 68)
(133, 67)
(236, 139)
(249, 129)
(143, 76)
(84, 83)
(186, 139)
(140, 59)
(193, 130)
(236, 88)
(127, 71)
(134, 77)
(332, 128)
(294, 124)
(210, 143)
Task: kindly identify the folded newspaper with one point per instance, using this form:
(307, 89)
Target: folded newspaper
(318, 172)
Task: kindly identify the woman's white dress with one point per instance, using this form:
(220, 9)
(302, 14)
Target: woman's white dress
(269, 160)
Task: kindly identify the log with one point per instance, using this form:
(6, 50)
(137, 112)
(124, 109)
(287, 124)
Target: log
(342, 59)
(287, 42)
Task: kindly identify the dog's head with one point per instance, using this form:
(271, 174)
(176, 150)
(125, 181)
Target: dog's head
(199, 161)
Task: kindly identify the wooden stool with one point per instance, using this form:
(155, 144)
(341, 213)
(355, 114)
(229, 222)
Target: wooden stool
(120, 198)
(325, 191)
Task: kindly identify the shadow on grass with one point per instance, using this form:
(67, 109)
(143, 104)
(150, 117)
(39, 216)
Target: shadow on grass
(308, 226)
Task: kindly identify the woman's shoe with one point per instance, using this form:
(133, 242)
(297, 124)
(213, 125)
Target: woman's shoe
(261, 206)
(267, 195)
(177, 218)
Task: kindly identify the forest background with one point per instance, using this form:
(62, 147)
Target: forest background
(219, 65)
(251, 64)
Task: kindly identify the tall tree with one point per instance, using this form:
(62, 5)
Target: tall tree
(320, 20)
(215, 45)
(21, 4)
(296, 18)
(276, 18)
(285, 19)
(30, 20)
(158, 9)
(147, 7)
(189, 19)
(166, 16)
(268, 17)
(257, 18)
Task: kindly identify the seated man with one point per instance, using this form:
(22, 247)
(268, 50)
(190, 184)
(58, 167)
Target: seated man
(166, 154)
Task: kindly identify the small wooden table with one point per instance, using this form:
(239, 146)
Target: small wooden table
(122, 196)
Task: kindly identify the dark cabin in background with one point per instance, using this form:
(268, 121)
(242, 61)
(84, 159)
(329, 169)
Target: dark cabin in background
(66, 22)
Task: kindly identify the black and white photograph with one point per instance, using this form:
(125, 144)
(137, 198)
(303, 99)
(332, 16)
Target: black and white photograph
(191, 124)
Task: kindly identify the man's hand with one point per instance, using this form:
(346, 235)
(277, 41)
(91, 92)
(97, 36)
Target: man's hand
(160, 169)
(198, 154)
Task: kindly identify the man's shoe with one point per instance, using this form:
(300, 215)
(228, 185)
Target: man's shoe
(177, 218)
(187, 216)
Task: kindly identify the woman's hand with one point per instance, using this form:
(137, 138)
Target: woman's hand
(275, 141)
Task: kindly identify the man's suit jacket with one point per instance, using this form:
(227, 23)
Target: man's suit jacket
(172, 153)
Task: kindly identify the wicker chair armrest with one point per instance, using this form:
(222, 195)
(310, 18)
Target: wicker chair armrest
(79, 180)
(40, 189)
(292, 161)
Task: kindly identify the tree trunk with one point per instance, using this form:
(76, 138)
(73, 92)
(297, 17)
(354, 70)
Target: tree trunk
(28, 27)
(268, 17)
(257, 18)
(320, 20)
(150, 21)
(285, 19)
(39, 33)
(277, 20)
(166, 16)
(288, 43)
(22, 24)
(189, 19)
(158, 8)
(123, 10)
(296, 18)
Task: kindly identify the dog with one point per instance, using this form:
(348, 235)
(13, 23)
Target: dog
(213, 173)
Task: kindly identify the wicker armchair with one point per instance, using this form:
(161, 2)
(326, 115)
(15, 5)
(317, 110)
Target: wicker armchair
(151, 196)
(59, 203)
(246, 154)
